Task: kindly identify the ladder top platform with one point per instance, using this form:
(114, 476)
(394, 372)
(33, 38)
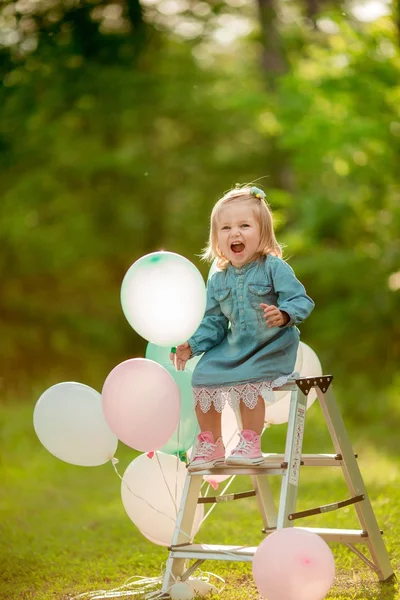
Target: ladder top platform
(273, 462)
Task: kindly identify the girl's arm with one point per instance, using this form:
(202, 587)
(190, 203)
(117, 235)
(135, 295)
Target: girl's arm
(292, 296)
(212, 329)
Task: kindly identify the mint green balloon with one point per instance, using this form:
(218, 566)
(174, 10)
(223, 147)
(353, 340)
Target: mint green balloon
(185, 434)
(160, 354)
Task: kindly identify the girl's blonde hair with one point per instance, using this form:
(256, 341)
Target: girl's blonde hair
(268, 243)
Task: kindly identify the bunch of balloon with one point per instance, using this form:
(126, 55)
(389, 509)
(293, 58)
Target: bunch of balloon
(163, 298)
(307, 364)
(187, 429)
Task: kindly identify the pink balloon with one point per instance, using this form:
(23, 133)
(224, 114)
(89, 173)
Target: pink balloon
(293, 564)
(141, 404)
(215, 480)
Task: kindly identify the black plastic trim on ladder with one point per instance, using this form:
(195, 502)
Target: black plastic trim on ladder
(326, 508)
(226, 497)
(306, 383)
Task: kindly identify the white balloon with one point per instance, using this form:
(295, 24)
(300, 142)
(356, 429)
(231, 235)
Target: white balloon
(311, 363)
(181, 591)
(213, 269)
(230, 428)
(151, 491)
(163, 297)
(307, 364)
(69, 421)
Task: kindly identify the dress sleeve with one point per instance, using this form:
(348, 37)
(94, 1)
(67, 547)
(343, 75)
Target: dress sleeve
(213, 327)
(292, 296)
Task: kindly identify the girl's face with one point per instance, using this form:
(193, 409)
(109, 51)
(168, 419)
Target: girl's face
(238, 233)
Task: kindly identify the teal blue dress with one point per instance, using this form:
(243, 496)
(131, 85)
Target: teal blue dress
(243, 357)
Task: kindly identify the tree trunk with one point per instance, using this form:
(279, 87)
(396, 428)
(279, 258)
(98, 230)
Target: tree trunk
(396, 16)
(274, 64)
(139, 29)
(273, 56)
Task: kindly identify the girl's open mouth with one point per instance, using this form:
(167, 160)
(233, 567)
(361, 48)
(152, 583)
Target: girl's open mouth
(237, 247)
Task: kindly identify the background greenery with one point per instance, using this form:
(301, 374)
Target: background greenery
(122, 122)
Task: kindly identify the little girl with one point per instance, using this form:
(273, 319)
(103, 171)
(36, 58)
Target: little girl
(258, 295)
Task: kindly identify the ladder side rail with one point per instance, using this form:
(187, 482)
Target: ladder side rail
(293, 449)
(355, 481)
(175, 567)
(265, 500)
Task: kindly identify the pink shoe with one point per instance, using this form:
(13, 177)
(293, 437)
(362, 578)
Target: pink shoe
(208, 454)
(248, 450)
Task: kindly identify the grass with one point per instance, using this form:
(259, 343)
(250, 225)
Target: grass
(64, 530)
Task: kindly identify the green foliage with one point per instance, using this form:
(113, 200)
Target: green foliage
(117, 142)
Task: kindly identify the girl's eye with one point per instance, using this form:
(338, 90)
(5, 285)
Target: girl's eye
(225, 227)
(245, 225)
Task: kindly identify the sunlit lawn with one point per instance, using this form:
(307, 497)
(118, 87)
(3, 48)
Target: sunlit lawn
(64, 530)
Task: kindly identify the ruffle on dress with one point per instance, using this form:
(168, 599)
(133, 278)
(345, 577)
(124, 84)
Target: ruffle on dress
(248, 392)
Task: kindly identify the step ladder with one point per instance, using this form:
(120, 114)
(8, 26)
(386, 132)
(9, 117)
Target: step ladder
(288, 465)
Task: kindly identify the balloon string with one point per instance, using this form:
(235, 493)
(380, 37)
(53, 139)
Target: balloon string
(215, 503)
(145, 583)
(178, 435)
(208, 488)
(166, 483)
(114, 461)
(202, 577)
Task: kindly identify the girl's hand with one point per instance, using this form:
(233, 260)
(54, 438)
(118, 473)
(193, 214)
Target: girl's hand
(182, 355)
(273, 316)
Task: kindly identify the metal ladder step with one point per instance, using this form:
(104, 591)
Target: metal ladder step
(246, 553)
(274, 462)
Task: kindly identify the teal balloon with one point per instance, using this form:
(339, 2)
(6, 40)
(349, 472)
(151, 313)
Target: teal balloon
(185, 434)
(160, 354)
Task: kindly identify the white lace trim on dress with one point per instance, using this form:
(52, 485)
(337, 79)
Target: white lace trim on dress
(248, 392)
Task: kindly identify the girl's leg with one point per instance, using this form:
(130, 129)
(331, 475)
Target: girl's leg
(248, 450)
(209, 451)
(209, 421)
(253, 418)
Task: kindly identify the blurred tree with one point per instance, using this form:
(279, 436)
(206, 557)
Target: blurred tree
(122, 124)
(396, 11)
